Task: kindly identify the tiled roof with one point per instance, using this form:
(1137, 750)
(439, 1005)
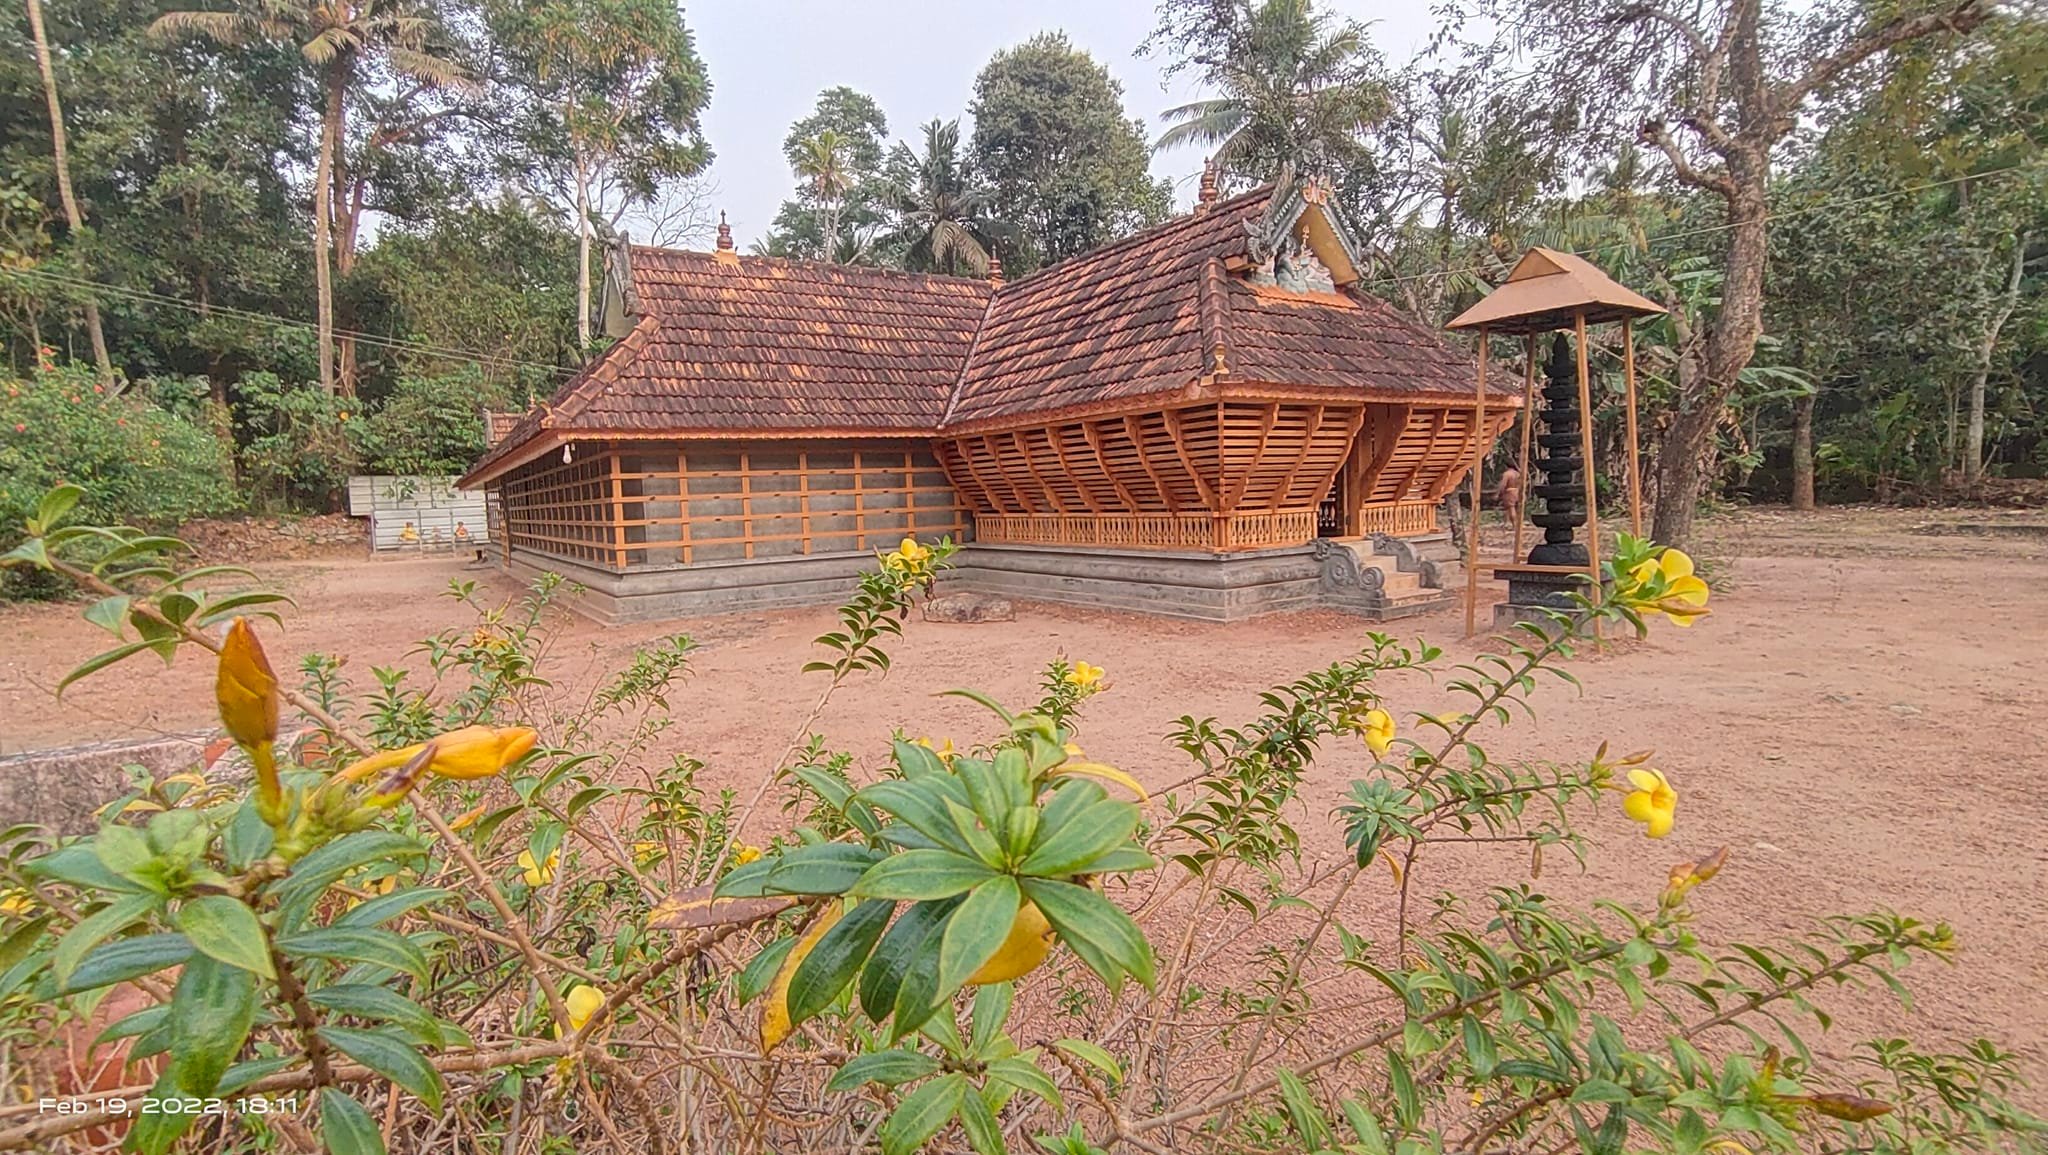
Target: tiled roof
(763, 345)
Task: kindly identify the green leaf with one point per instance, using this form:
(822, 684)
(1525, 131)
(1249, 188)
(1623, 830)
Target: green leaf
(110, 614)
(369, 1001)
(1302, 1112)
(222, 928)
(78, 864)
(248, 1071)
(347, 1128)
(391, 1057)
(759, 973)
(385, 907)
(357, 944)
(922, 1113)
(1023, 1074)
(919, 804)
(1366, 1127)
(100, 662)
(320, 869)
(890, 1068)
(55, 505)
(1104, 937)
(96, 928)
(916, 761)
(831, 964)
(23, 939)
(882, 979)
(918, 875)
(153, 1132)
(976, 931)
(212, 1010)
(979, 1122)
(1479, 1048)
(826, 868)
(140, 1023)
(1094, 1056)
(991, 1012)
(235, 603)
(1075, 843)
(126, 959)
(247, 837)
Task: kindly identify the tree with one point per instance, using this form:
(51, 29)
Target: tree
(340, 41)
(939, 212)
(610, 93)
(72, 216)
(1060, 162)
(1298, 86)
(1715, 86)
(862, 209)
(822, 165)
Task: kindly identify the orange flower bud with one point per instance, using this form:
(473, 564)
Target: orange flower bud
(1851, 1108)
(246, 687)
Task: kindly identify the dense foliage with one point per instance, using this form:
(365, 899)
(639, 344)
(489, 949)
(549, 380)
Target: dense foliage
(993, 946)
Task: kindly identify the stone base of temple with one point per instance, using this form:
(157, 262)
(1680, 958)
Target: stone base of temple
(1376, 578)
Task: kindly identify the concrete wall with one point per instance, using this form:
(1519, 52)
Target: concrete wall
(1205, 586)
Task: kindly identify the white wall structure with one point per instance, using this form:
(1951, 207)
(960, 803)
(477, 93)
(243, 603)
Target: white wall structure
(418, 513)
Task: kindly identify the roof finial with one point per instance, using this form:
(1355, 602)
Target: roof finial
(1208, 184)
(724, 233)
(995, 267)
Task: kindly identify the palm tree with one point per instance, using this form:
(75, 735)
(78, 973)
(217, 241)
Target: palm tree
(823, 163)
(337, 38)
(1297, 88)
(938, 213)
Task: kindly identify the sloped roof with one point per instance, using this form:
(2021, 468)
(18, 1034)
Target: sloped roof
(759, 346)
(747, 344)
(1547, 290)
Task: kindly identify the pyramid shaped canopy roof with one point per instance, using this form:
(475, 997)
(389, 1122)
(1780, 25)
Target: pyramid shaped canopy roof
(1548, 290)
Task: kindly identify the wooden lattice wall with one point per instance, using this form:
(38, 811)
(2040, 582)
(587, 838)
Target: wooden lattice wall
(1224, 475)
(643, 506)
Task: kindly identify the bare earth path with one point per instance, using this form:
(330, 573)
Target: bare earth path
(1862, 720)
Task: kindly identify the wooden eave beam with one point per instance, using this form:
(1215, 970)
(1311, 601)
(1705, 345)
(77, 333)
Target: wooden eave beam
(1094, 439)
(1135, 430)
(1020, 440)
(1057, 435)
(987, 492)
(1385, 440)
(1203, 489)
(1436, 432)
(1351, 426)
(1023, 503)
(1270, 414)
(1308, 441)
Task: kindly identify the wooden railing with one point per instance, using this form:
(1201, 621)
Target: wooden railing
(1399, 518)
(1150, 530)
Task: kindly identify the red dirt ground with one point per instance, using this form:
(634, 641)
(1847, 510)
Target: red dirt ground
(1861, 720)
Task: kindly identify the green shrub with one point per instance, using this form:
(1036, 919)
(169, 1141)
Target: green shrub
(139, 463)
(429, 425)
(297, 449)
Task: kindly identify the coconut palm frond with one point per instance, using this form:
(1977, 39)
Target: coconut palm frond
(225, 27)
(429, 69)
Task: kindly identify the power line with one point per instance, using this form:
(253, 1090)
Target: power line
(1703, 230)
(393, 344)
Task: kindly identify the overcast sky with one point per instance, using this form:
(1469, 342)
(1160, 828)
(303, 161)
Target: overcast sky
(769, 59)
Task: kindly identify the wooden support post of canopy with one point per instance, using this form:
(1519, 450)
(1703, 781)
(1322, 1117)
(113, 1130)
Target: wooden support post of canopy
(1586, 448)
(1635, 465)
(1472, 517)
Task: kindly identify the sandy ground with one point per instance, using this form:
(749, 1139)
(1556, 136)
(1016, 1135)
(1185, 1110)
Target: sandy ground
(1861, 720)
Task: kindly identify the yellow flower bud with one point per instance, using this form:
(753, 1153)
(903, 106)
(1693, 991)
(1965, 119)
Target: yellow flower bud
(745, 854)
(246, 689)
(471, 752)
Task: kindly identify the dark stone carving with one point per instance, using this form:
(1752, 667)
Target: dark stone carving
(1341, 570)
(1561, 464)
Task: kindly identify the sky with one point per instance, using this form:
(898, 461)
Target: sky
(769, 59)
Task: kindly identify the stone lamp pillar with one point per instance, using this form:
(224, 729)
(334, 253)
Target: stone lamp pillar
(1560, 461)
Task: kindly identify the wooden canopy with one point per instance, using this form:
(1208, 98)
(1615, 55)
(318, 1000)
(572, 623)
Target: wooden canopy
(1550, 290)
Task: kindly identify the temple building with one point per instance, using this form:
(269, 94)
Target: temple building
(1210, 418)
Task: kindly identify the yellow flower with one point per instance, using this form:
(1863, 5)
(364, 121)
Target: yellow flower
(467, 818)
(1653, 802)
(1084, 675)
(745, 854)
(944, 750)
(539, 874)
(16, 902)
(1685, 594)
(583, 1001)
(471, 752)
(1378, 728)
(909, 559)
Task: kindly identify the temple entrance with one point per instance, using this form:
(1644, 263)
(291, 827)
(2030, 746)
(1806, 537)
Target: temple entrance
(1330, 517)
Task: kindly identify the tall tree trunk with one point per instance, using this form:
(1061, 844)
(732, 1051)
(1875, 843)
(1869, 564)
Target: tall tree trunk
(1730, 345)
(323, 220)
(72, 216)
(582, 256)
(1973, 438)
(831, 227)
(1802, 452)
(347, 202)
